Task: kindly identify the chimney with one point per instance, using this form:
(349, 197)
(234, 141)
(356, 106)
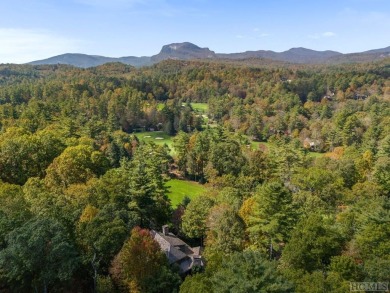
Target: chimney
(165, 229)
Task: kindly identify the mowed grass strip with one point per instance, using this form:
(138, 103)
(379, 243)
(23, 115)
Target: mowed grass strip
(178, 189)
(200, 107)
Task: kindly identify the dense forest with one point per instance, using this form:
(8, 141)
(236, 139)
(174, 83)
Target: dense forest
(295, 161)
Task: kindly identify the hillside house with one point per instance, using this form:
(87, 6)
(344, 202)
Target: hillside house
(312, 144)
(360, 97)
(177, 251)
(328, 97)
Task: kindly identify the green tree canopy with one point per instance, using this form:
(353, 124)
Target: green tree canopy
(313, 242)
(248, 272)
(39, 255)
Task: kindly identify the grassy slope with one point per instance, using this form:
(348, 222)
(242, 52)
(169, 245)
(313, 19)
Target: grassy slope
(180, 188)
(201, 108)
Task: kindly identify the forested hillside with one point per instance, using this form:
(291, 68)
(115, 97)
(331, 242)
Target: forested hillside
(294, 161)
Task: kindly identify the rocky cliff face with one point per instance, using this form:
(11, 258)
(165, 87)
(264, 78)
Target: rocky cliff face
(183, 51)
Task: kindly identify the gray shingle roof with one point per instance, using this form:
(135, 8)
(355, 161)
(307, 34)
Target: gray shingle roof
(176, 250)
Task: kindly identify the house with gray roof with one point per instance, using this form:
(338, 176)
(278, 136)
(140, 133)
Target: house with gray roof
(177, 251)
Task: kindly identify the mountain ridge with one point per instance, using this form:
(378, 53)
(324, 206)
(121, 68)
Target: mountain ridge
(190, 51)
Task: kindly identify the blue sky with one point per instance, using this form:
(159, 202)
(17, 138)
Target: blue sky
(36, 29)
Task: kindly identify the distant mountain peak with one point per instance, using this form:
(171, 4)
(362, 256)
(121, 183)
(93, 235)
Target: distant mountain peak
(185, 50)
(181, 46)
(306, 50)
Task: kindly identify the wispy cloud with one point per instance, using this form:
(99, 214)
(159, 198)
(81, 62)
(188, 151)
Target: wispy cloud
(318, 36)
(240, 36)
(22, 45)
(263, 35)
(328, 34)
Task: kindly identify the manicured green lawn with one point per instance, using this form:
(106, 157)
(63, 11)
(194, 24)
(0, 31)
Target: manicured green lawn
(158, 137)
(315, 155)
(197, 107)
(180, 188)
(256, 144)
(160, 106)
(200, 107)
